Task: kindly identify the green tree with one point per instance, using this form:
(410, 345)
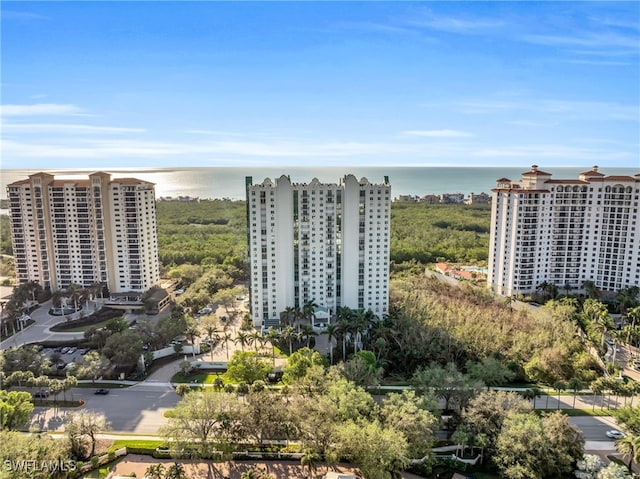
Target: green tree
(490, 371)
(84, 425)
(447, 383)
(247, 367)
(176, 471)
(485, 414)
(265, 418)
(91, 366)
(309, 461)
(629, 418)
(299, 362)
(575, 385)
(412, 416)
(362, 369)
(155, 471)
(15, 409)
(18, 448)
(123, 349)
(182, 389)
(629, 447)
(379, 452)
(559, 386)
(198, 419)
(532, 447)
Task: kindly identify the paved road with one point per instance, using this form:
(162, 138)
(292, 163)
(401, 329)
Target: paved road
(138, 409)
(39, 331)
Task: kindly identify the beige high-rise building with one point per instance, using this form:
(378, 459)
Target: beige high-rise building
(321, 242)
(95, 230)
(564, 232)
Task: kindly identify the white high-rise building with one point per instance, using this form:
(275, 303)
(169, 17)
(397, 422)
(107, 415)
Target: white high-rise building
(564, 232)
(321, 242)
(95, 230)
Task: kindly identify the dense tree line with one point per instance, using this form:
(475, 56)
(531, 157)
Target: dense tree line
(206, 232)
(429, 233)
(432, 322)
(327, 414)
(211, 232)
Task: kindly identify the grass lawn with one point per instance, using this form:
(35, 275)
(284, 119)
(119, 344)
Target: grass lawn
(137, 444)
(86, 327)
(101, 385)
(198, 378)
(103, 471)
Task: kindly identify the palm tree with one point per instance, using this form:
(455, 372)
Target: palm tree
(242, 339)
(273, 336)
(288, 335)
(56, 298)
(331, 330)
(575, 385)
(176, 471)
(543, 287)
(634, 315)
(286, 318)
(192, 333)
(629, 446)
(307, 332)
(627, 298)
(226, 337)
(591, 289)
(309, 461)
(536, 393)
(257, 339)
(76, 294)
(155, 471)
(559, 386)
(211, 330)
(344, 316)
(309, 311)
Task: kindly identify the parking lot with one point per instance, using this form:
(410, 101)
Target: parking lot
(62, 357)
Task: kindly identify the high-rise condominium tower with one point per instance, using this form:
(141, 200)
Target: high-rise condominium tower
(565, 232)
(324, 243)
(99, 230)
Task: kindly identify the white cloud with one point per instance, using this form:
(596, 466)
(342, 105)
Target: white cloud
(550, 152)
(39, 109)
(458, 24)
(437, 133)
(597, 40)
(66, 128)
(568, 109)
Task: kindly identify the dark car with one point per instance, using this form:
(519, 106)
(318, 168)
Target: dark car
(101, 391)
(41, 395)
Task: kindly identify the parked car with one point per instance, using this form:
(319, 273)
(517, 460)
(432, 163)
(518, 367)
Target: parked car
(41, 394)
(65, 350)
(615, 434)
(101, 391)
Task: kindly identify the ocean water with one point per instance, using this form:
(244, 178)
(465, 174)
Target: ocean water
(225, 182)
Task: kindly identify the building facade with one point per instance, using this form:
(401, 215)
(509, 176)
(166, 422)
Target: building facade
(99, 230)
(564, 232)
(318, 242)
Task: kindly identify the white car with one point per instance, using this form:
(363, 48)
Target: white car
(615, 434)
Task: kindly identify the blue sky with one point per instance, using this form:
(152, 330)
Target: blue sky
(150, 84)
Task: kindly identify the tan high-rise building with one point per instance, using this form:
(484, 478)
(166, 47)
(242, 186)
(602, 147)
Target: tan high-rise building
(95, 230)
(326, 243)
(564, 232)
